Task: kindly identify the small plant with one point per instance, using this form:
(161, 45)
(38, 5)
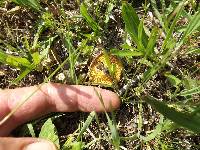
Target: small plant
(30, 57)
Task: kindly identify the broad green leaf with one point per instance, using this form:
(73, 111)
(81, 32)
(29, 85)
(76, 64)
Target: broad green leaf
(172, 79)
(187, 120)
(86, 124)
(195, 90)
(88, 18)
(49, 132)
(36, 58)
(132, 23)
(127, 47)
(126, 53)
(77, 145)
(140, 32)
(70, 145)
(151, 43)
(34, 4)
(14, 61)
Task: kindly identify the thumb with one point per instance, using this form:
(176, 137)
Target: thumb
(25, 144)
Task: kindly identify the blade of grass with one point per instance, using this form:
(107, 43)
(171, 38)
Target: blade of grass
(91, 22)
(195, 90)
(172, 79)
(156, 131)
(157, 13)
(139, 118)
(114, 133)
(73, 56)
(86, 125)
(193, 25)
(111, 123)
(126, 53)
(167, 48)
(23, 73)
(184, 12)
(194, 51)
(156, 67)
(34, 4)
(31, 129)
(172, 27)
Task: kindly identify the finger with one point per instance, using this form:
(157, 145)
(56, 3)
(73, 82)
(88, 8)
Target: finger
(25, 144)
(52, 97)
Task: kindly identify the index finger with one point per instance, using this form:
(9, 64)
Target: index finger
(52, 97)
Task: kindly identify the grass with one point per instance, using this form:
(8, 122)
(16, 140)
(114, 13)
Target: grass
(158, 44)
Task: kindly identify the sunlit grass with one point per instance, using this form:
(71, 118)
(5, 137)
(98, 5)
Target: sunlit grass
(148, 54)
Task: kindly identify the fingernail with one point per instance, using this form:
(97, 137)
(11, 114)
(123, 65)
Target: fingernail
(40, 145)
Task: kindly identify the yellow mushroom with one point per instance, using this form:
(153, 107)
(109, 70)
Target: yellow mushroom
(99, 71)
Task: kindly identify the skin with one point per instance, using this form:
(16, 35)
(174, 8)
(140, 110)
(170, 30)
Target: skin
(50, 97)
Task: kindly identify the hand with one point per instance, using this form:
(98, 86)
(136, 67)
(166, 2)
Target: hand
(50, 97)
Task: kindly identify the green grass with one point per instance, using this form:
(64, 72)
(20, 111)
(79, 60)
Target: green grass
(151, 55)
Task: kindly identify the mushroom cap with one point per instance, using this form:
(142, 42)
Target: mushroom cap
(99, 72)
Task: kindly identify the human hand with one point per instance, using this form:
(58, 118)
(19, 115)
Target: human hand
(50, 97)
